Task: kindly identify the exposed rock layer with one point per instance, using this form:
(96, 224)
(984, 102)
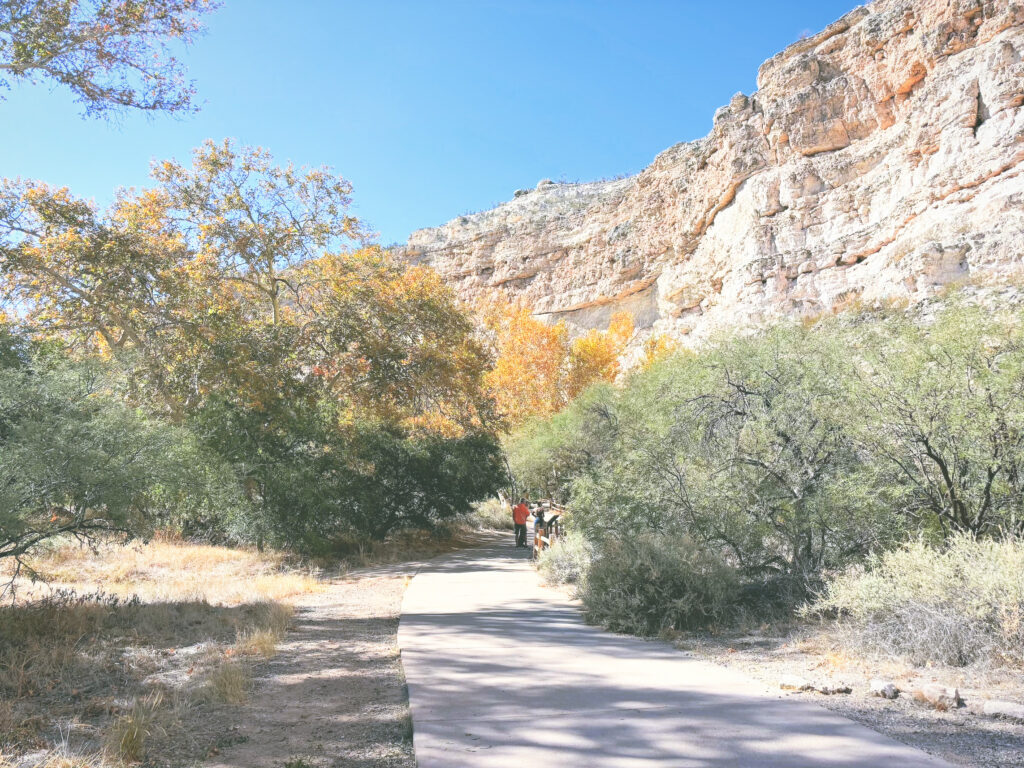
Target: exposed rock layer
(880, 157)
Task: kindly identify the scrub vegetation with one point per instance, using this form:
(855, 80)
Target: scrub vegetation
(865, 468)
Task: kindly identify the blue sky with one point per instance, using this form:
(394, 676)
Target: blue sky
(431, 108)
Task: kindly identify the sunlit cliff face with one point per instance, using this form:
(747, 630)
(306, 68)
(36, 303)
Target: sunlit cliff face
(879, 158)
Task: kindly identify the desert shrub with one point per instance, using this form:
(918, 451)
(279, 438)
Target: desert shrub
(647, 584)
(314, 486)
(958, 604)
(492, 514)
(740, 448)
(568, 561)
(547, 455)
(937, 406)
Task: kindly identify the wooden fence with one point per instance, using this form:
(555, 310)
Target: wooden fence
(545, 536)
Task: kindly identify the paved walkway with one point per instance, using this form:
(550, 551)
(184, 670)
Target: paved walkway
(503, 673)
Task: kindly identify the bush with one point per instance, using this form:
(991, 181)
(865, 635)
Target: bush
(647, 584)
(74, 459)
(492, 514)
(958, 605)
(568, 561)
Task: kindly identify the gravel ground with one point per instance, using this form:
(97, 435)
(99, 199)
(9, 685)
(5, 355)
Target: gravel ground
(961, 736)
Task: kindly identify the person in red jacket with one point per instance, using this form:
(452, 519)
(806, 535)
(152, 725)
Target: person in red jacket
(519, 514)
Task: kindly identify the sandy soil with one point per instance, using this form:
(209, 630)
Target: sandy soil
(961, 736)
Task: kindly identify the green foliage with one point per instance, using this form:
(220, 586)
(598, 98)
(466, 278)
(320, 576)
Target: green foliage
(737, 448)
(74, 460)
(938, 409)
(796, 451)
(547, 455)
(958, 604)
(342, 390)
(649, 583)
(492, 514)
(312, 484)
(111, 55)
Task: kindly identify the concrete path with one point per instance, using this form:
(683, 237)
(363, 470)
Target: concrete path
(503, 673)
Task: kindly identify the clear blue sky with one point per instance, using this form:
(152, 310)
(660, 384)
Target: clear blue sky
(431, 108)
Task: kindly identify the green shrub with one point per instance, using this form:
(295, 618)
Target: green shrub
(492, 514)
(647, 584)
(75, 459)
(568, 561)
(959, 605)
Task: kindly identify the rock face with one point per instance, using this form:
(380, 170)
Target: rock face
(879, 158)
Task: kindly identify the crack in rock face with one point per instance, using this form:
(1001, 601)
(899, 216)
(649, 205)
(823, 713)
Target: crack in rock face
(880, 158)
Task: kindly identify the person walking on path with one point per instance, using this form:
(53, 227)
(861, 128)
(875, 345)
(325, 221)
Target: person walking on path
(519, 514)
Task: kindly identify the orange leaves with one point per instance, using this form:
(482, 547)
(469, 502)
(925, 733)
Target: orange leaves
(230, 282)
(537, 369)
(527, 377)
(398, 346)
(657, 348)
(595, 356)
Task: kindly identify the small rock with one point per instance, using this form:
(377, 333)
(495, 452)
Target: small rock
(794, 683)
(545, 183)
(939, 696)
(883, 688)
(832, 690)
(1008, 709)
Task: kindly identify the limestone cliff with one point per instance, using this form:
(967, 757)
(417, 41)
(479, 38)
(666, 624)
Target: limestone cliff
(880, 157)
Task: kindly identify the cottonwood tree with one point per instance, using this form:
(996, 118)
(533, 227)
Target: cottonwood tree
(232, 296)
(538, 369)
(113, 55)
(595, 355)
(253, 222)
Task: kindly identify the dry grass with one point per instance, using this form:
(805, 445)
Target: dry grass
(128, 736)
(165, 570)
(58, 760)
(229, 683)
(128, 654)
(143, 653)
(959, 605)
(262, 643)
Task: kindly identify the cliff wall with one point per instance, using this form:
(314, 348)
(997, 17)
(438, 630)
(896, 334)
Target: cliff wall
(881, 157)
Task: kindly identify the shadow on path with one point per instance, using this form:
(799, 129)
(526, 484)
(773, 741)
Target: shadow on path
(503, 672)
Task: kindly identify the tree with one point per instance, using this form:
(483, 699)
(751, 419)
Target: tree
(251, 222)
(75, 461)
(112, 54)
(228, 295)
(939, 405)
(537, 369)
(528, 377)
(392, 341)
(595, 355)
(738, 448)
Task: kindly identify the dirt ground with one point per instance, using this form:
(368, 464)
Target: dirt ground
(960, 736)
(334, 696)
(170, 654)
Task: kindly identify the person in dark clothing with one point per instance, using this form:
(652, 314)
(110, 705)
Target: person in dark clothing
(519, 514)
(538, 522)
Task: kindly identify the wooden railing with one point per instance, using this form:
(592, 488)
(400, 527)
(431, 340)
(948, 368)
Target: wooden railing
(545, 536)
